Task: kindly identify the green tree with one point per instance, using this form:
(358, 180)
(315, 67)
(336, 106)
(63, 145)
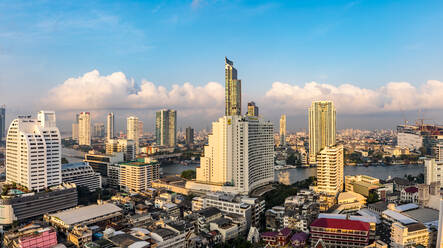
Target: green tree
(188, 174)
(65, 161)
(372, 197)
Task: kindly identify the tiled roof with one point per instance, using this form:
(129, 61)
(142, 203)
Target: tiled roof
(411, 190)
(269, 234)
(285, 231)
(301, 236)
(341, 224)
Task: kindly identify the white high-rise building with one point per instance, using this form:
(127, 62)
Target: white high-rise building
(330, 170)
(321, 127)
(283, 130)
(33, 151)
(440, 224)
(132, 125)
(84, 129)
(99, 130)
(239, 154)
(433, 171)
(127, 147)
(110, 129)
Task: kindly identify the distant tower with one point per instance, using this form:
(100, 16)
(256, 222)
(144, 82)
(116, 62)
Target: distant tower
(321, 127)
(2, 122)
(189, 136)
(99, 130)
(232, 90)
(84, 129)
(75, 128)
(132, 125)
(252, 109)
(33, 151)
(283, 130)
(166, 127)
(110, 132)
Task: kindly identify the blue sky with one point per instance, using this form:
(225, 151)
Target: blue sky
(364, 43)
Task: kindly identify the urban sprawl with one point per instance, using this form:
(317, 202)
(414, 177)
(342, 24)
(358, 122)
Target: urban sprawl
(117, 192)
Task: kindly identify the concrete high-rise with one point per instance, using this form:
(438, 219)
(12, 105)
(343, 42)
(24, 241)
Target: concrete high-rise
(132, 125)
(140, 129)
(99, 130)
(330, 170)
(75, 128)
(321, 127)
(252, 109)
(2, 122)
(84, 129)
(283, 130)
(189, 136)
(110, 128)
(166, 127)
(232, 90)
(239, 154)
(33, 151)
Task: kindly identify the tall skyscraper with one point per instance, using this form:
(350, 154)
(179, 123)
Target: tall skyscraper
(110, 128)
(166, 127)
(140, 129)
(75, 128)
(132, 131)
(252, 109)
(99, 130)
(84, 129)
(239, 154)
(283, 130)
(232, 90)
(33, 151)
(330, 170)
(189, 136)
(2, 122)
(321, 127)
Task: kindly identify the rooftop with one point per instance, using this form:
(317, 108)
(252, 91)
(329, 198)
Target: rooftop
(77, 215)
(399, 217)
(341, 224)
(406, 207)
(208, 212)
(301, 236)
(411, 190)
(415, 227)
(74, 165)
(423, 215)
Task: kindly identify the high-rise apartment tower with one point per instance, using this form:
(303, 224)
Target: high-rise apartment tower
(232, 90)
(321, 127)
(166, 127)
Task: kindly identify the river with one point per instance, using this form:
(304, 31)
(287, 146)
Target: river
(298, 174)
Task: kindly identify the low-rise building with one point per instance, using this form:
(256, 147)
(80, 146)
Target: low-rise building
(81, 174)
(100, 162)
(89, 215)
(409, 195)
(225, 227)
(24, 206)
(361, 184)
(31, 236)
(406, 235)
(138, 176)
(340, 233)
(80, 235)
(250, 208)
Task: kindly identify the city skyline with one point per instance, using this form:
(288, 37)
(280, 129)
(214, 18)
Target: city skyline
(380, 71)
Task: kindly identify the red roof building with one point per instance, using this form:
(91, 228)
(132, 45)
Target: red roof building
(340, 233)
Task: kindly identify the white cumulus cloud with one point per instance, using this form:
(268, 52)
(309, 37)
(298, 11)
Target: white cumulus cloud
(351, 99)
(93, 91)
